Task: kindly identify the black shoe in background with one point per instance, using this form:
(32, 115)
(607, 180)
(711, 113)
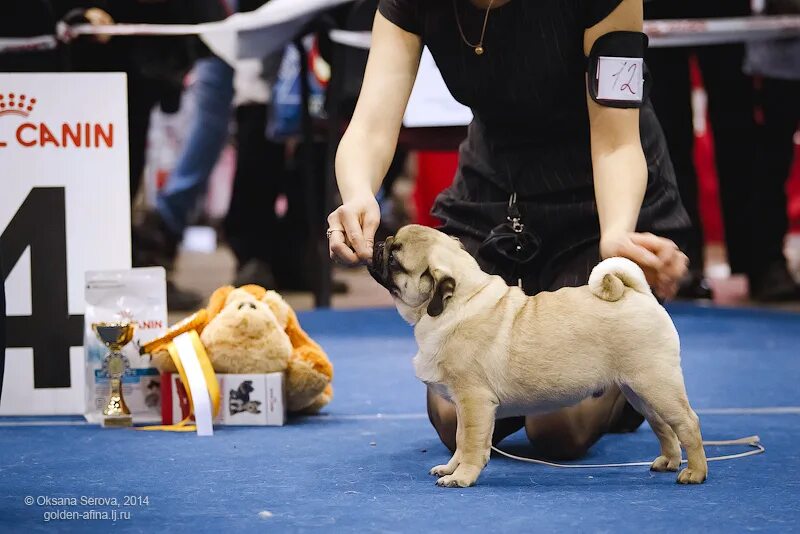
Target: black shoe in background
(153, 242)
(695, 287)
(774, 284)
(256, 272)
(182, 300)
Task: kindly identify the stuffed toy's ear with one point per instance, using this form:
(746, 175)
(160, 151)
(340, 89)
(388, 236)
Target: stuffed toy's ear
(278, 306)
(217, 301)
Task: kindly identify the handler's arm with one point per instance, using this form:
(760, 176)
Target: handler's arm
(620, 174)
(368, 145)
(620, 169)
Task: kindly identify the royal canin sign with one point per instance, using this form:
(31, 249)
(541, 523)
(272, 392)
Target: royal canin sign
(33, 134)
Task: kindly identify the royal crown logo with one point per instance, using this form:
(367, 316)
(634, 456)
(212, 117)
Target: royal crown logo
(16, 104)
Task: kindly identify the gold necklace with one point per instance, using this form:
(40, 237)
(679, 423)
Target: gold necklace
(477, 47)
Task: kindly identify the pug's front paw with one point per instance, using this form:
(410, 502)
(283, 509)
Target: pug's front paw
(692, 476)
(442, 470)
(463, 477)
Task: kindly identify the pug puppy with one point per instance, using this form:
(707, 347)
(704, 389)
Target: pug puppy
(496, 352)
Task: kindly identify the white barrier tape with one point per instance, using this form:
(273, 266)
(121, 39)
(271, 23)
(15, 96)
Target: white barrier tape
(27, 44)
(271, 14)
(227, 38)
(701, 32)
(362, 40)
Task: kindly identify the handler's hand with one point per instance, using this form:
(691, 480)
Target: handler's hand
(664, 265)
(354, 225)
(98, 17)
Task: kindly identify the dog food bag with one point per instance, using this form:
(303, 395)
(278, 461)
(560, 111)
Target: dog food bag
(139, 296)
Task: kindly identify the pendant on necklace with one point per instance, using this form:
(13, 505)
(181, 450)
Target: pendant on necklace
(479, 50)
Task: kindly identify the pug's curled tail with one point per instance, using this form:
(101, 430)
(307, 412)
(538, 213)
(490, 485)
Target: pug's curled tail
(610, 278)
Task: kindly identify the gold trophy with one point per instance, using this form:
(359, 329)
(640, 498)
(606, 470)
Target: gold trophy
(115, 336)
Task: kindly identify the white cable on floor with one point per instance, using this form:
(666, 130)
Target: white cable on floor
(750, 441)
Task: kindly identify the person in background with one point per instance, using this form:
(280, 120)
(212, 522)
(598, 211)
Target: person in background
(268, 248)
(754, 242)
(730, 105)
(155, 68)
(159, 232)
(777, 64)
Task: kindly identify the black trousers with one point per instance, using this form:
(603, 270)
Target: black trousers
(730, 105)
(780, 105)
(250, 225)
(143, 95)
(731, 100)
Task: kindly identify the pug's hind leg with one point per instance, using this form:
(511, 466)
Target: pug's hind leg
(665, 394)
(473, 440)
(670, 458)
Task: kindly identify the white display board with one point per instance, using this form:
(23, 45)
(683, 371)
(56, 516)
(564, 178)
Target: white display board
(431, 103)
(64, 209)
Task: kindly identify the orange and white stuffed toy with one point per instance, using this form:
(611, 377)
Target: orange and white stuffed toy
(251, 330)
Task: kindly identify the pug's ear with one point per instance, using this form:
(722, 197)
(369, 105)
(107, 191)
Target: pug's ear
(443, 287)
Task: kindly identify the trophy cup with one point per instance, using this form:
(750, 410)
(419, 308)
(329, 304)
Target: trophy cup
(115, 336)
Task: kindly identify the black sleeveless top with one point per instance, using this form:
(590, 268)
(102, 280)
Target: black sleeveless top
(527, 91)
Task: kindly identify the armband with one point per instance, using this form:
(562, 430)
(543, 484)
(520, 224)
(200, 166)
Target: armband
(617, 75)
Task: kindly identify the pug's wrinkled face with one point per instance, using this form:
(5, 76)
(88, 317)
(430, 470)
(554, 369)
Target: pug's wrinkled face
(416, 267)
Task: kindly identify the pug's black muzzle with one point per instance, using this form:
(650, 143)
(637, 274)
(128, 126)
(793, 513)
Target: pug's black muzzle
(379, 269)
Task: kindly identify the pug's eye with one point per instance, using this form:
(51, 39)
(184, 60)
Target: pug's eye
(393, 264)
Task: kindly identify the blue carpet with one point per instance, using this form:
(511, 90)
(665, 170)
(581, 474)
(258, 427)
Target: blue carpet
(352, 471)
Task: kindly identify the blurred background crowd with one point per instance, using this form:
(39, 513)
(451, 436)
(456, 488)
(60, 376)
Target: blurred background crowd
(217, 161)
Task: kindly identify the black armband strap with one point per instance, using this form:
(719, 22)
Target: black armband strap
(617, 75)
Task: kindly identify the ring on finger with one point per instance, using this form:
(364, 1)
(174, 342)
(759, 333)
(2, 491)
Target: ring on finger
(330, 231)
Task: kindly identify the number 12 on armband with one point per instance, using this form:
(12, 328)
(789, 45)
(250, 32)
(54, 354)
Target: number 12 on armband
(620, 78)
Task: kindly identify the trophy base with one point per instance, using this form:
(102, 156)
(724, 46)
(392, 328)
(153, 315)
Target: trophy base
(117, 421)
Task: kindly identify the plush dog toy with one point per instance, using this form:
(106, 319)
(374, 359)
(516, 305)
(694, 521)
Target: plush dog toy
(252, 330)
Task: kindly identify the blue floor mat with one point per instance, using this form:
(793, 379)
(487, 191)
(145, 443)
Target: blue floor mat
(362, 466)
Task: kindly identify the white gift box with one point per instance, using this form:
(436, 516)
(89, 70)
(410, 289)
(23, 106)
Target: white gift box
(246, 400)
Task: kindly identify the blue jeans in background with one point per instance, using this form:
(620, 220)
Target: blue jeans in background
(208, 132)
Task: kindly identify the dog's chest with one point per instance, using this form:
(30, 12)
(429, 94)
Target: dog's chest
(426, 369)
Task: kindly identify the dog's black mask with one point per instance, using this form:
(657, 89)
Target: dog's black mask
(379, 269)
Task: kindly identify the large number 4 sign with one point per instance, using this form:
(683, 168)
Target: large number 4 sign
(40, 224)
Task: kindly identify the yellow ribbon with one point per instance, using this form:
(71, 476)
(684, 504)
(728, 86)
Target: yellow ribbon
(211, 382)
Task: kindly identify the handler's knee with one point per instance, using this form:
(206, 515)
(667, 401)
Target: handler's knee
(558, 440)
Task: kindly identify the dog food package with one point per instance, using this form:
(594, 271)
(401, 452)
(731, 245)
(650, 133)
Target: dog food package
(138, 296)
(247, 400)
